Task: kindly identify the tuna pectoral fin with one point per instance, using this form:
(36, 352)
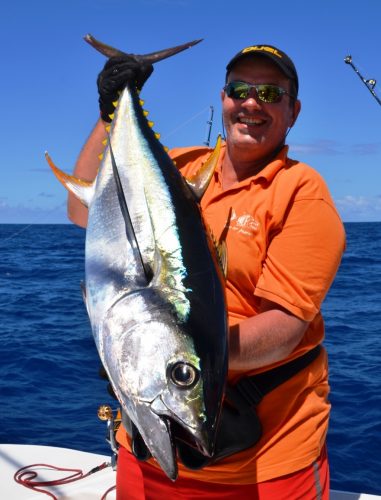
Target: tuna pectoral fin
(82, 190)
(151, 58)
(130, 232)
(156, 433)
(200, 180)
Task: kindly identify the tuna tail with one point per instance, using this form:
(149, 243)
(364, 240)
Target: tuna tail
(151, 58)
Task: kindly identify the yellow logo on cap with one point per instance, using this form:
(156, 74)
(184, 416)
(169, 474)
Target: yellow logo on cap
(264, 48)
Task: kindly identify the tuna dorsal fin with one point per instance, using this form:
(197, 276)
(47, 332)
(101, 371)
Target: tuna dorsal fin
(200, 180)
(151, 58)
(130, 232)
(83, 190)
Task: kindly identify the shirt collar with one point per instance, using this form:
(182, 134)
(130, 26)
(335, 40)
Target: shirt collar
(267, 173)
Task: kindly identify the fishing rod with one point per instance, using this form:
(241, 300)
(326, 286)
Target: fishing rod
(209, 123)
(370, 84)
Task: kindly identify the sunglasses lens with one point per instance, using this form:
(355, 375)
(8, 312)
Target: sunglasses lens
(265, 92)
(269, 93)
(238, 90)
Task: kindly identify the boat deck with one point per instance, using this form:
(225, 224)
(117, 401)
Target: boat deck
(14, 456)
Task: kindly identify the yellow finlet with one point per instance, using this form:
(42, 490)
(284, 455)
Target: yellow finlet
(111, 116)
(104, 142)
(115, 103)
(145, 113)
(100, 156)
(157, 135)
(150, 124)
(108, 128)
(141, 102)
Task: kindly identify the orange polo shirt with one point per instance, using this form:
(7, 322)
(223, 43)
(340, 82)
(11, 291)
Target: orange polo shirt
(284, 242)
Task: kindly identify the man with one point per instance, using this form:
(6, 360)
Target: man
(284, 244)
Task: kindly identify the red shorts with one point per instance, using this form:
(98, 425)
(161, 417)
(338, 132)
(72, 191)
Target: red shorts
(141, 481)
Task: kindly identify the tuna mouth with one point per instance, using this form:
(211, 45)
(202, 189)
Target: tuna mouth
(162, 433)
(156, 437)
(185, 437)
(196, 436)
(185, 447)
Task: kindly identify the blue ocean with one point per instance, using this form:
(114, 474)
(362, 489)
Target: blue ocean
(49, 383)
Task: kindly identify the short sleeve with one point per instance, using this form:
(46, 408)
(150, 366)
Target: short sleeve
(303, 258)
(189, 159)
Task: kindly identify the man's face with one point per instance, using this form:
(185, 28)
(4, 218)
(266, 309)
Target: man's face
(255, 129)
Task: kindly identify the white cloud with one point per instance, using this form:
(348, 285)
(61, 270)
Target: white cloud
(23, 214)
(333, 148)
(359, 208)
(366, 149)
(43, 194)
(322, 147)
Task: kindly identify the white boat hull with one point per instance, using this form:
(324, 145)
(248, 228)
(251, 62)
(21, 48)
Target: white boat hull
(15, 456)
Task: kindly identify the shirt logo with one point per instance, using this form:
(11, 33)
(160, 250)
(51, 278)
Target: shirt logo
(243, 224)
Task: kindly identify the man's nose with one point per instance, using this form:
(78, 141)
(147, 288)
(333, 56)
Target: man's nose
(252, 101)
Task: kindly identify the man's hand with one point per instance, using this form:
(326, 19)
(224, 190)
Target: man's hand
(116, 74)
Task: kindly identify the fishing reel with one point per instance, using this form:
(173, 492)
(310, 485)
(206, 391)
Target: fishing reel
(106, 414)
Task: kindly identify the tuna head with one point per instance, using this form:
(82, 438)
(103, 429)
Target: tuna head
(156, 374)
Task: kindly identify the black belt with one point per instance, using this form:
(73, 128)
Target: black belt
(239, 427)
(254, 388)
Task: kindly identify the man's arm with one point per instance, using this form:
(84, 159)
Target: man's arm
(265, 338)
(301, 263)
(86, 168)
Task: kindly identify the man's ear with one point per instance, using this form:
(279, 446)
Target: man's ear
(296, 111)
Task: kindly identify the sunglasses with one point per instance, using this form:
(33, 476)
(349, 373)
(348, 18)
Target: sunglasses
(265, 92)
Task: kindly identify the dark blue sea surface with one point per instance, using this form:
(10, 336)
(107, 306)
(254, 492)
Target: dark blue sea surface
(49, 384)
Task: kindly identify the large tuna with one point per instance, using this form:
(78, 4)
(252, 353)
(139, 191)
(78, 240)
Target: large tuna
(153, 287)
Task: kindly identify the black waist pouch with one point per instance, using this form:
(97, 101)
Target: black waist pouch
(239, 429)
(239, 426)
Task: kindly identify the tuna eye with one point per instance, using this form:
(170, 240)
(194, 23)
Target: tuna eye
(184, 375)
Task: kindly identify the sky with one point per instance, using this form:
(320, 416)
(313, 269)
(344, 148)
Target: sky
(48, 94)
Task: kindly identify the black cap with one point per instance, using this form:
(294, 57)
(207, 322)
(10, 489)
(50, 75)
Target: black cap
(276, 55)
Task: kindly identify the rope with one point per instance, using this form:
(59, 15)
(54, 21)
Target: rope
(29, 478)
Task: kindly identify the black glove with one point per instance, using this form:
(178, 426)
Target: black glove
(116, 74)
